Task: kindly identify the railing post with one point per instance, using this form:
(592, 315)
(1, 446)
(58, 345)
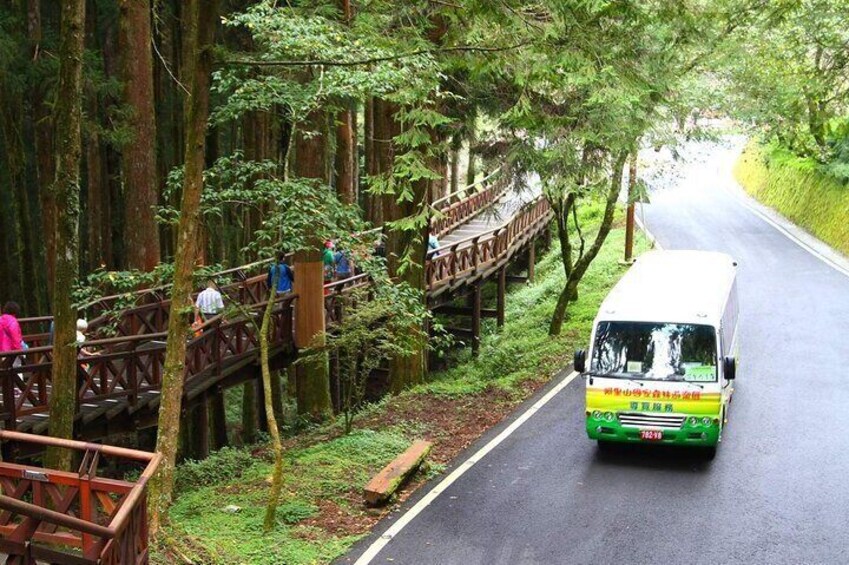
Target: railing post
(501, 298)
(133, 375)
(216, 351)
(476, 318)
(9, 404)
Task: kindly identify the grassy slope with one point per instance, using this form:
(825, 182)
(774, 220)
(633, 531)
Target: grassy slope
(325, 473)
(797, 189)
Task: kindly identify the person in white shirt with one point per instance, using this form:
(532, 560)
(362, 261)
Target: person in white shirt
(209, 302)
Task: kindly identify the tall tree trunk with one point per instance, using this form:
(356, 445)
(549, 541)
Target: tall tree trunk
(313, 381)
(472, 137)
(45, 165)
(346, 143)
(456, 145)
(95, 200)
(141, 186)
(270, 412)
(21, 259)
(168, 104)
(66, 192)
(345, 153)
(579, 269)
(409, 369)
(373, 203)
(200, 21)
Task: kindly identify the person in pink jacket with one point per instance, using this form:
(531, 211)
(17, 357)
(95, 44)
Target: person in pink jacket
(11, 338)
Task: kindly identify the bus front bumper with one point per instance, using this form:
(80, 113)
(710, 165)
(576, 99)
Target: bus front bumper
(698, 436)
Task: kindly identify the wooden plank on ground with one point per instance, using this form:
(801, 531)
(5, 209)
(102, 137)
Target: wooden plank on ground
(387, 481)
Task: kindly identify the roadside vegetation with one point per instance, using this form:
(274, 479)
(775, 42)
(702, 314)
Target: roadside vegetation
(218, 511)
(799, 188)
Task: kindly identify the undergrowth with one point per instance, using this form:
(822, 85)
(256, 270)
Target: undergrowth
(799, 189)
(218, 512)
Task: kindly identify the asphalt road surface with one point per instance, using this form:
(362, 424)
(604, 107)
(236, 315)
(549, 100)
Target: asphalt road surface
(778, 489)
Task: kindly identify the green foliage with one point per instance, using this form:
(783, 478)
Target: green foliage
(376, 326)
(523, 350)
(295, 511)
(224, 465)
(336, 470)
(788, 75)
(799, 189)
(327, 471)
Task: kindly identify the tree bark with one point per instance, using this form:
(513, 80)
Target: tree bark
(66, 193)
(313, 381)
(94, 256)
(200, 20)
(374, 207)
(45, 165)
(629, 218)
(345, 154)
(456, 145)
(271, 419)
(407, 370)
(471, 170)
(346, 143)
(141, 191)
(579, 269)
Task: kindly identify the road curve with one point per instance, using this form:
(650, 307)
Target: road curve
(776, 492)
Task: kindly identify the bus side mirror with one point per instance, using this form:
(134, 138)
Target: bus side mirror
(729, 368)
(580, 362)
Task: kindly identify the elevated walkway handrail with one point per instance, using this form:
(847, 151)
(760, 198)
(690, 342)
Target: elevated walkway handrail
(470, 255)
(464, 192)
(128, 366)
(451, 216)
(80, 502)
(455, 209)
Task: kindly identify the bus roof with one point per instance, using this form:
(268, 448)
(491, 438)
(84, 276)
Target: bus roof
(686, 287)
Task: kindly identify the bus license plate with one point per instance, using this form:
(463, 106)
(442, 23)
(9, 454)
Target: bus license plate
(651, 435)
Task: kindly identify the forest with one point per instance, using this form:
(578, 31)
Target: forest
(152, 142)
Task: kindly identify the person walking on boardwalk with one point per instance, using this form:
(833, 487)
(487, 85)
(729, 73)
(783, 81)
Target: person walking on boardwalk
(11, 338)
(209, 302)
(328, 261)
(342, 260)
(284, 273)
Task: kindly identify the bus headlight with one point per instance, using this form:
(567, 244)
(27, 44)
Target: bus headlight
(596, 414)
(693, 421)
(609, 416)
(706, 421)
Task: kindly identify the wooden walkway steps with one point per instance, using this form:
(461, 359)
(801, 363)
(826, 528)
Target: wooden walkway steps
(387, 481)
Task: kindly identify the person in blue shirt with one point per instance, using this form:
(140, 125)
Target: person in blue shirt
(343, 265)
(284, 273)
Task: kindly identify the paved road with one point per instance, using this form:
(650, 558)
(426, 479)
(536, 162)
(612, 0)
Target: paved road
(777, 491)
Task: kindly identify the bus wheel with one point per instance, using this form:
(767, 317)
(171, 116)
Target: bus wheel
(605, 446)
(709, 453)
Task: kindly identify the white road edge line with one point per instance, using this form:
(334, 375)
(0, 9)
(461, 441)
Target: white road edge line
(427, 499)
(743, 198)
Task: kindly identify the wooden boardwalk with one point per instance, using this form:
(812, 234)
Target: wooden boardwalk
(481, 230)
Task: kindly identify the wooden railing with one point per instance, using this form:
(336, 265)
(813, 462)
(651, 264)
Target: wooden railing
(465, 192)
(460, 207)
(128, 366)
(74, 518)
(149, 313)
(476, 254)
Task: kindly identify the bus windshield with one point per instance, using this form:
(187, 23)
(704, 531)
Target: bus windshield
(655, 351)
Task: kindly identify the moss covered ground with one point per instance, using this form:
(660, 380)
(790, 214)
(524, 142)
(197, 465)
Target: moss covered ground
(798, 189)
(218, 513)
